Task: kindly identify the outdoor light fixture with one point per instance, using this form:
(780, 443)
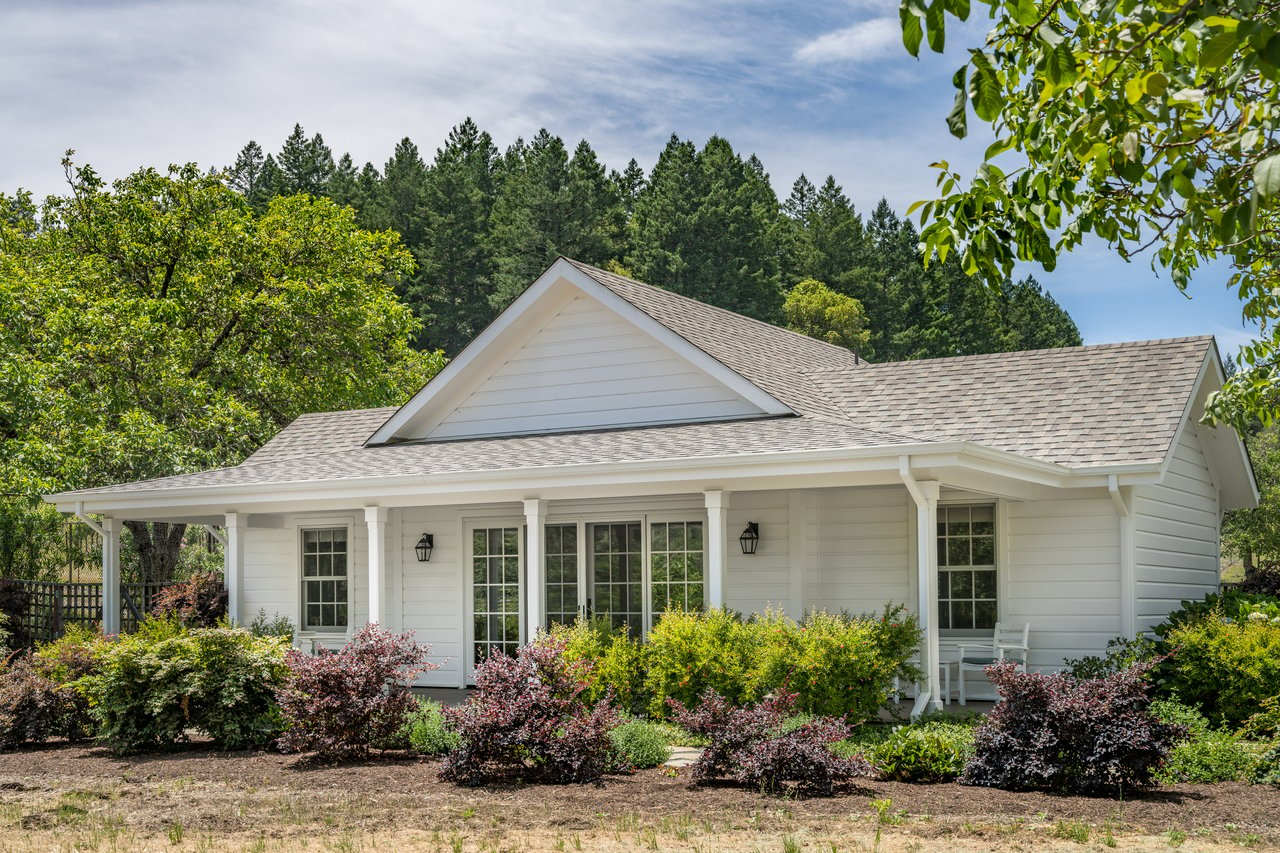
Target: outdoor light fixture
(750, 538)
(424, 546)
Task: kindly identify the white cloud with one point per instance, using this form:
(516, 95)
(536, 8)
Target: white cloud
(864, 41)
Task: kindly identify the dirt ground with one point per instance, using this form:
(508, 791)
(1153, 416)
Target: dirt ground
(75, 798)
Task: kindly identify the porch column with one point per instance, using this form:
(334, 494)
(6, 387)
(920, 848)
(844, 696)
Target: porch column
(376, 519)
(233, 564)
(535, 520)
(717, 545)
(110, 575)
(925, 494)
(1122, 497)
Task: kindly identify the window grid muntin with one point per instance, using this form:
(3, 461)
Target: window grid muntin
(677, 566)
(325, 562)
(617, 581)
(967, 589)
(495, 591)
(561, 573)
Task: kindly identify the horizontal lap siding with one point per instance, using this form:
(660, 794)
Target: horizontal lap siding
(1176, 535)
(1061, 571)
(588, 368)
(865, 550)
(431, 597)
(761, 580)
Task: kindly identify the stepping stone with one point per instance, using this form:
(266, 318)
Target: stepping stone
(683, 756)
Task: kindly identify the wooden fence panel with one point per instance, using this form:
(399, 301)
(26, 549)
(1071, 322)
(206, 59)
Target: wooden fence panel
(51, 607)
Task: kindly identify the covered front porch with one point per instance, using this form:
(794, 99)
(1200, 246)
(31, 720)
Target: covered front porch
(837, 533)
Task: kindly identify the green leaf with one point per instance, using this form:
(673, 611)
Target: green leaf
(1218, 49)
(1155, 84)
(1133, 90)
(936, 25)
(984, 89)
(1266, 176)
(1025, 12)
(912, 32)
(1060, 66)
(957, 119)
(959, 8)
(1049, 35)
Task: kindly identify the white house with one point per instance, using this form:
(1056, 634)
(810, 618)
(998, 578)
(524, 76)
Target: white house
(604, 444)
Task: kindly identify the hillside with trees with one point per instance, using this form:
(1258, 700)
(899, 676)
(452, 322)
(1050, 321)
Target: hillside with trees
(482, 223)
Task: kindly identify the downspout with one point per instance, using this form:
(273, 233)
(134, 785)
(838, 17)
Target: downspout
(84, 518)
(1128, 569)
(926, 587)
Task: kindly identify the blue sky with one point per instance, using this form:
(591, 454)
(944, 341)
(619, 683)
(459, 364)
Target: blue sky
(823, 88)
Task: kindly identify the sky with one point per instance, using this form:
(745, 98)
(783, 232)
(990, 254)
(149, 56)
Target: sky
(814, 87)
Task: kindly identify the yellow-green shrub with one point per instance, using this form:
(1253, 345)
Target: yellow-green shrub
(617, 661)
(689, 652)
(1227, 667)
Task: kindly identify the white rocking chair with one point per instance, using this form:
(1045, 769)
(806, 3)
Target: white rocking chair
(1008, 642)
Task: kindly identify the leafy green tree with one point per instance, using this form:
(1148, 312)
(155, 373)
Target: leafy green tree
(1253, 535)
(813, 309)
(708, 225)
(1151, 124)
(158, 326)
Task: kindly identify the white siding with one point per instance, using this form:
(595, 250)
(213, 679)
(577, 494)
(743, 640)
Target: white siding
(865, 553)
(758, 581)
(1176, 535)
(586, 368)
(1061, 573)
(430, 601)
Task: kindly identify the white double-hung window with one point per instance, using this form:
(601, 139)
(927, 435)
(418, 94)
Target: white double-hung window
(967, 600)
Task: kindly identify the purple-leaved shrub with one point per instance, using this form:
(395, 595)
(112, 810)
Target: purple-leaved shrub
(749, 745)
(1073, 735)
(527, 719)
(197, 603)
(339, 704)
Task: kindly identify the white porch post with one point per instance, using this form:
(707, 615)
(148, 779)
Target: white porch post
(110, 575)
(925, 494)
(535, 519)
(376, 519)
(717, 545)
(233, 564)
(1122, 497)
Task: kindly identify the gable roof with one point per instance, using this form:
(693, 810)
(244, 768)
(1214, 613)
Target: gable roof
(1092, 409)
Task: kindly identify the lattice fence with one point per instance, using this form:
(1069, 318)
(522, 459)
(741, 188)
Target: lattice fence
(51, 607)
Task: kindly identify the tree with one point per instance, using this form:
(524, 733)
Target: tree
(1253, 535)
(159, 326)
(813, 309)
(306, 165)
(1151, 124)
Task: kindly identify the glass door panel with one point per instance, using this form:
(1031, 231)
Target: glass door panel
(495, 589)
(617, 566)
(562, 574)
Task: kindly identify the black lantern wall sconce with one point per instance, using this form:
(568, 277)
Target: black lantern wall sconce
(750, 538)
(424, 546)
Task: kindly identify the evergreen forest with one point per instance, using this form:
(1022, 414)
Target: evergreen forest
(482, 223)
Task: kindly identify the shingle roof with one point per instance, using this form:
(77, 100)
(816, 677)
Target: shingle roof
(1077, 406)
(526, 452)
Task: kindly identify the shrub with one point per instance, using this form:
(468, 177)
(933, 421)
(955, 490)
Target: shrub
(1210, 757)
(640, 744)
(64, 662)
(151, 687)
(1189, 718)
(1224, 666)
(14, 602)
(339, 704)
(1122, 653)
(1263, 580)
(428, 732)
(837, 665)
(690, 652)
(197, 603)
(1267, 769)
(274, 626)
(34, 708)
(616, 661)
(1065, 734)
(527, 718)
(750, 746)
(1265, 724)
(930, 751)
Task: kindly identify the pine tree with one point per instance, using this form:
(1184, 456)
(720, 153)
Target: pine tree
(306, 164)
(1034, 320)
(451, 290)
(251, 177)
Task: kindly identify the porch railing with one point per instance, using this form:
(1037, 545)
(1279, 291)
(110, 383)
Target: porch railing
(51, 607)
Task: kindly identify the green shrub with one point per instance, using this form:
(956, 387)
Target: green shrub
(1171, 711)
(690, 652)
(153, 686)
(930, 751)
(428, 732)
(1265, 724)
(1121, 653)
(1210, 757)
(1225, 666)
(640, 744)
(837, 665)
(272, 626)
(617, 661)
(1267, 769)
(62, 663)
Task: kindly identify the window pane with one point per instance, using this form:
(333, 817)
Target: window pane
(659, 537)
(694, 534)
(958, 552)
(944, 585)
(961, 584)
(961, 615)
(942, 553)
(676, 537)
(984, 614)
(984, 551)
(984, 585)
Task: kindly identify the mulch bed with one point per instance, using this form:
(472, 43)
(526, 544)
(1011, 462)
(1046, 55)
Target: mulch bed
(397, 776)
